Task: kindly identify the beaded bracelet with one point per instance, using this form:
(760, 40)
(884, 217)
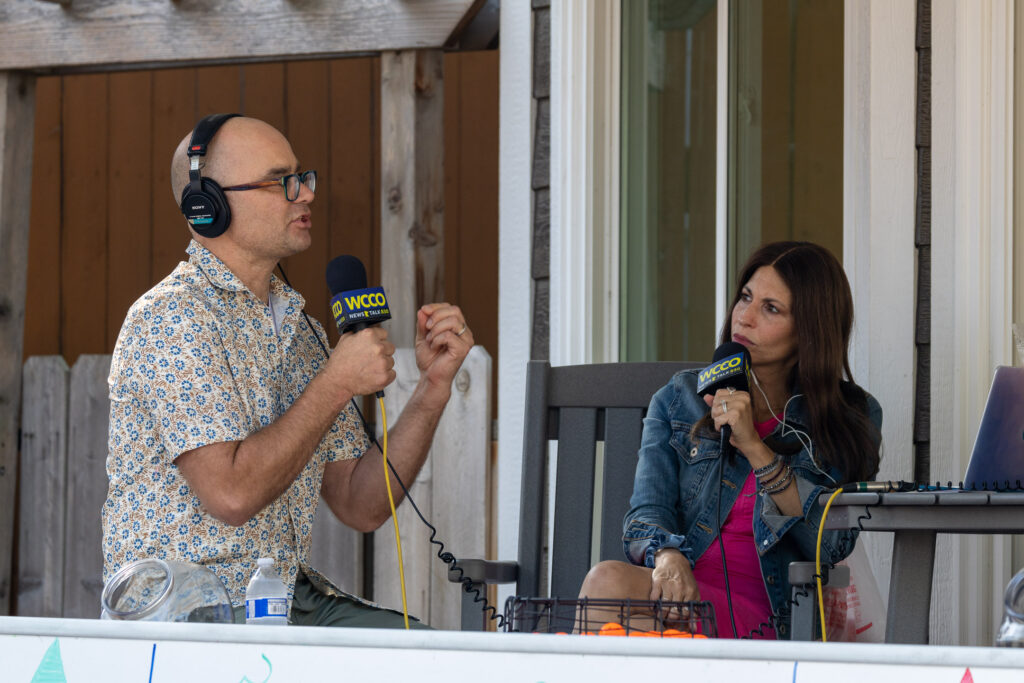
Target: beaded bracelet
(769, 468)
(775, 476)
(782, 484)
(779, 485)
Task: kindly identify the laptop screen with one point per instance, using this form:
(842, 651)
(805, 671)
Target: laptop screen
(997, 460)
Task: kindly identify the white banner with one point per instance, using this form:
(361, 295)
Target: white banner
(270, 654)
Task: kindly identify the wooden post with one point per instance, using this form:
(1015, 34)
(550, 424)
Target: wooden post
(88, 419)
(17, 111)
(43, 482)
(412, 185)
(461, 472)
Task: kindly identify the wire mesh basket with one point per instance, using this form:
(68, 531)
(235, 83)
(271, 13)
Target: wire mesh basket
(589, 616)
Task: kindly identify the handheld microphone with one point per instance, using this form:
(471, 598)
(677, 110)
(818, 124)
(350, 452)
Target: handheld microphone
(730, 367)
(354, 305)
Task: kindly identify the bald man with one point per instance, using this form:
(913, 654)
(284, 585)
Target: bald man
(229, 419)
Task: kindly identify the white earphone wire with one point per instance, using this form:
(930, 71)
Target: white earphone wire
(802, 436)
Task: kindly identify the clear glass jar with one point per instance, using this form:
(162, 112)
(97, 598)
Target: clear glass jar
(1011, 632)
(159, 590)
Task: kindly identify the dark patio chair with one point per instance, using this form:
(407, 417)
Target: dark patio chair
(577, 407)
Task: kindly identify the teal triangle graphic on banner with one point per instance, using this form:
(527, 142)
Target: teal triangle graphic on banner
(51, 669)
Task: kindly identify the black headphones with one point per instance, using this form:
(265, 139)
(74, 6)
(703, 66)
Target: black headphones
(202, 201)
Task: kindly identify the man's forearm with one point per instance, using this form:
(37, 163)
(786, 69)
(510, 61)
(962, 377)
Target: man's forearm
(409, 441)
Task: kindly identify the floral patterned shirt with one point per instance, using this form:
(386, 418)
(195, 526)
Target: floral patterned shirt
(198, 362)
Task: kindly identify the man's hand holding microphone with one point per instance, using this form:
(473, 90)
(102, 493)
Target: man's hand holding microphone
(363, 360)
(362, 363)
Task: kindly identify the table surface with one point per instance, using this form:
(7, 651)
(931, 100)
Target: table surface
(917, 517)
(924, 498)
(941, 511)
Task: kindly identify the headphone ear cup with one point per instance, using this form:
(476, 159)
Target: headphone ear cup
(207, 210)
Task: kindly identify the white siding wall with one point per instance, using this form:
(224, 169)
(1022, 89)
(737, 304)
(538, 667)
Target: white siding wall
(878, 225)
(972, 284)
(515, 225)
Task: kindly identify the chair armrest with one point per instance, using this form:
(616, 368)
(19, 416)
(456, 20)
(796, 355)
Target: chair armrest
(485, 571)
(803, 617)
(803, 573)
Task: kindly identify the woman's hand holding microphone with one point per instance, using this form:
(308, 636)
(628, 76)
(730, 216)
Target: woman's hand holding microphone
(733, 408)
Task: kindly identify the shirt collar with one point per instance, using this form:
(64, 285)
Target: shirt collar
(213, 268)
(221, 276)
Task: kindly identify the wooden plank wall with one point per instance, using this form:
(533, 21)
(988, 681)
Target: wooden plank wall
(88, 417)
(63, 485)
(17, 99)
(43, 482)
(105, 227)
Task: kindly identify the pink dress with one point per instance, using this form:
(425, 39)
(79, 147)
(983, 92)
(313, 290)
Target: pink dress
(751, 607)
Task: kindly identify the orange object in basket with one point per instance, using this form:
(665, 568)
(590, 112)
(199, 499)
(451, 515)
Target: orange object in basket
(612, 629)
(675, 633)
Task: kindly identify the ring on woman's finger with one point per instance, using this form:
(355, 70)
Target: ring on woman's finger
(732, 390)
(725, 406)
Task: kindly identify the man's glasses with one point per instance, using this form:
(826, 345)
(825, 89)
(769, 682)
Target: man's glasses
(292, 184)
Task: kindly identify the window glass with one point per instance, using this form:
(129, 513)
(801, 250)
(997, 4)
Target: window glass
(785, 167)
(668, 180)
(785, 125)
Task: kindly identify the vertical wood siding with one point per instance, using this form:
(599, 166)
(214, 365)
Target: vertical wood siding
(105, 226)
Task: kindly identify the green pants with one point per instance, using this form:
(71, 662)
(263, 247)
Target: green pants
(310, 607)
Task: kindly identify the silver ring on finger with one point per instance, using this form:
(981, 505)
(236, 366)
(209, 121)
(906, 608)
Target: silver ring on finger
(732, 390)
(462, 331)
(725, 406)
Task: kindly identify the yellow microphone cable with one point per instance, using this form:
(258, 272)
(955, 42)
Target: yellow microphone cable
(394, 516)
(817, 564)
(853, 487)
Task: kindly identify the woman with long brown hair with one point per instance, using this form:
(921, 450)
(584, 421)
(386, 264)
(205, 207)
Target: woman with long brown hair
(802, 428)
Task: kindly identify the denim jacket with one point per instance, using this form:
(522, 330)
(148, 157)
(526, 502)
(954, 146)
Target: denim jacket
(675, 492)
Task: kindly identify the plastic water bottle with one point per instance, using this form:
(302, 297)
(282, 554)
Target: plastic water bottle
(266, 597)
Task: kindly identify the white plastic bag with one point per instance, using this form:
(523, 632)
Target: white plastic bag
(856, 613)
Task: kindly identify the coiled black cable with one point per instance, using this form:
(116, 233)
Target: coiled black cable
(468, 585)
(845, 547)
(846, 544)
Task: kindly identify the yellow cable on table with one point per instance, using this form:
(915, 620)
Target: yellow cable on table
(817, 564)
(394, 517)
